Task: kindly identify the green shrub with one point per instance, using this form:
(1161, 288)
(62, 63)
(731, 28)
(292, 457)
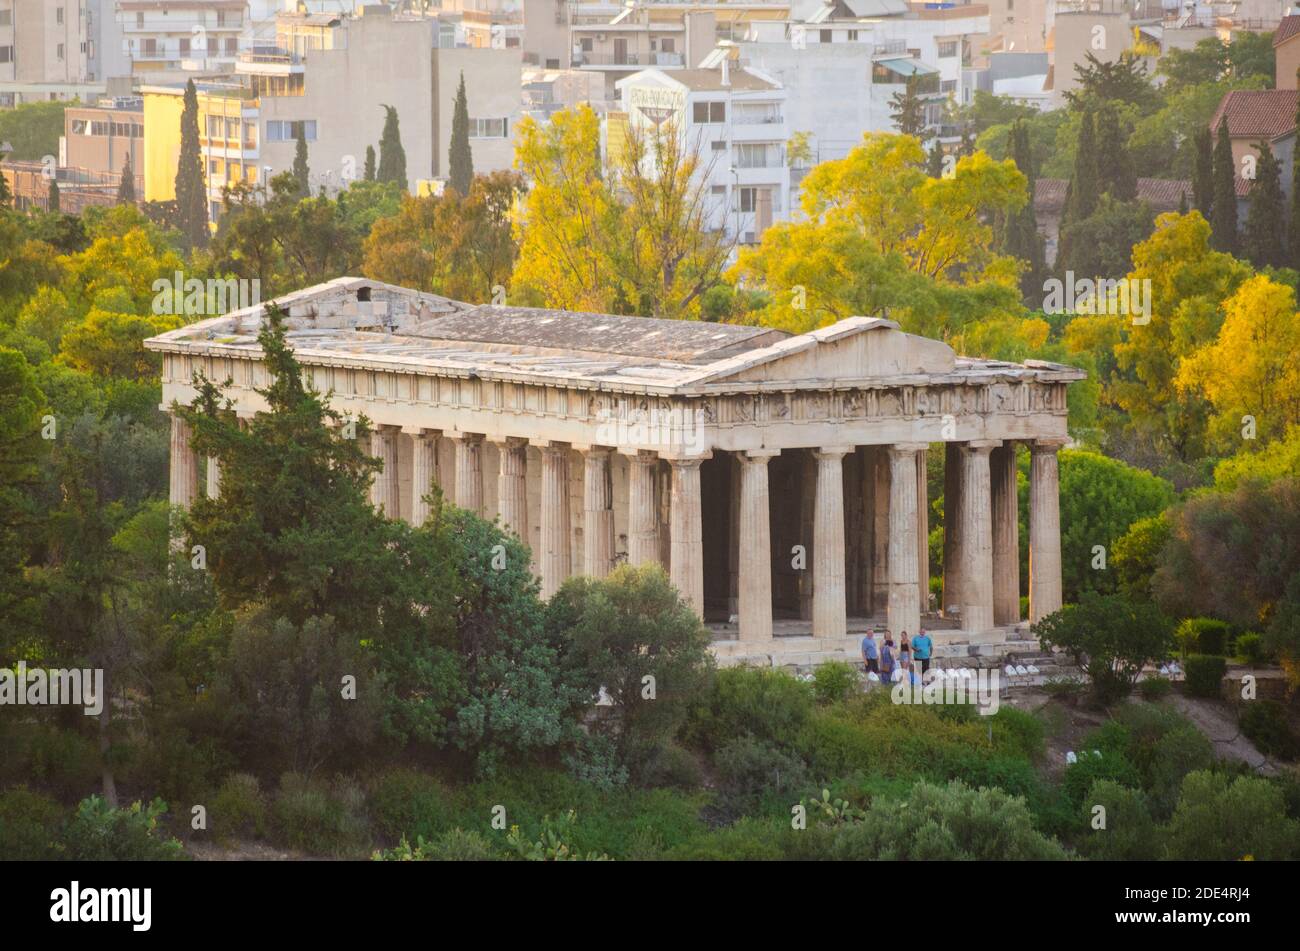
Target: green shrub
(319, 818)
(1154, 689)
(835, 681)
(1179, 752)
(1250, 648)
(1220, 818)
(30, 824)
(983, 770)
(1129, 834)
(1205, 675)
(98, 833)
(769, 704)
(454, 845)
(1203, 635)
(1089, 768)
(1017, 731)
(1265, 723)
(946, 823)
(749, 840)
(60, 761)
(408, 804)
(239, 808)
(673, 766)
(751, 771)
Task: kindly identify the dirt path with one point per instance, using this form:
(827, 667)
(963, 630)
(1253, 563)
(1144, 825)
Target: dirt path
(1216, 720)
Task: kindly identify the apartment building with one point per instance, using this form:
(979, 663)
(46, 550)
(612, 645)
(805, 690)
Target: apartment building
(182, 36)
(332, 88)
(617, 40)
(1100, 28)
(97, 139)
(733, 118)
(1020, 26)
(43, 43)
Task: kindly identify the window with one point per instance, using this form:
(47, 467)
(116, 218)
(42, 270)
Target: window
(948, 85)
(279, 130)
(709, 112)
(59, 53)
(718, 190)
(99, 127)
(185, 45)
(78, 126)
(58, 16)
(232, 45)
(215, 127)
(720, 146)
(825, 36)
(853, 36)
(947, 49)
(6, 54)
(757, 155)
(587, 44)
(748, 200)
(6, 18)
(489, 128)
(668, 45)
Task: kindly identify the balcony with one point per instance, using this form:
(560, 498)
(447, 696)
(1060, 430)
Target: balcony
(627, 60)
(268, 62)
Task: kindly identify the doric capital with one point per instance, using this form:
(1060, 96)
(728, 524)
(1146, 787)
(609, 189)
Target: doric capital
(688, 462)
(508, 442)
(832, 452)
(758, 455)
(907, 448)
(459, 436)
(419, 432)
(1048, 445)
(981, 445)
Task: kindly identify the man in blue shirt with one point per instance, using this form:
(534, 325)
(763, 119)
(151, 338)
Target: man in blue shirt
(870, 654)
(921, 649)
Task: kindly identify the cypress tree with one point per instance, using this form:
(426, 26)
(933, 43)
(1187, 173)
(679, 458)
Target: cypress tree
(392, 158)
(460, 161)
(191, 187)
(1022, 238)
(54, 201)
(934, 162)
(126, 187)
(908, 110)
(1114, 164)
(1223, 218)
(6, 196)
(301, 173)
(1182, 203)
(1085, 183)
(1263, 239)
(370, 163)
(1203, 173)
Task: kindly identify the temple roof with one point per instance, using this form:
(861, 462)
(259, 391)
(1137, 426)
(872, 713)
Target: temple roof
(361, 323)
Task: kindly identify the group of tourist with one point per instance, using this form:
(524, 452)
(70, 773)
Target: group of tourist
(909, 660)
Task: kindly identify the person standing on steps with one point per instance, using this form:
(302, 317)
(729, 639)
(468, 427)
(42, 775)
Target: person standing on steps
(871, 653)
(923, 647)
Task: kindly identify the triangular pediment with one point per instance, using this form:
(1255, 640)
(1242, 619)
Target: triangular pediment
(855, 348)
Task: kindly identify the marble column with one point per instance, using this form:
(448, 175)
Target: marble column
(557, 529)
(880, 489)
(1006, 535)
(512, 485)
(686, 563)
(923, 527)
(952, 530)
(830, 614)
(1044, 529)
(214, 478)
(184, 470)
(904, 586)
(597, 512)
(385, 490)
(754, 611)
(643, 508)
(424, 472)
(469, 470)
(977, 536)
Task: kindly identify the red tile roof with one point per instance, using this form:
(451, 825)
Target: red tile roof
(1288, 28)
(1257, 113)
(1162, 194)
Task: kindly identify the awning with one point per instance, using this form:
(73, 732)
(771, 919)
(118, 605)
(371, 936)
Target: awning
(907, 67)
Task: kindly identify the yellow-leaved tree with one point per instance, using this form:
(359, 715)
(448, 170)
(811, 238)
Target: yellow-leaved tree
(1252, 368)
(879, 236)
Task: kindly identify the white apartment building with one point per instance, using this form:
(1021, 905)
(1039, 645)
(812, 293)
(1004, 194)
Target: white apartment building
(43, 43)
(842, 70)
(734, 118)
(179, 36)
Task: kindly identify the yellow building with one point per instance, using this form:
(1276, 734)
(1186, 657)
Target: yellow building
(228, 140)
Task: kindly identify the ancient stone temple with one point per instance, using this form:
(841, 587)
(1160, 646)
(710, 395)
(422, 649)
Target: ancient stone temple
(781, 480)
